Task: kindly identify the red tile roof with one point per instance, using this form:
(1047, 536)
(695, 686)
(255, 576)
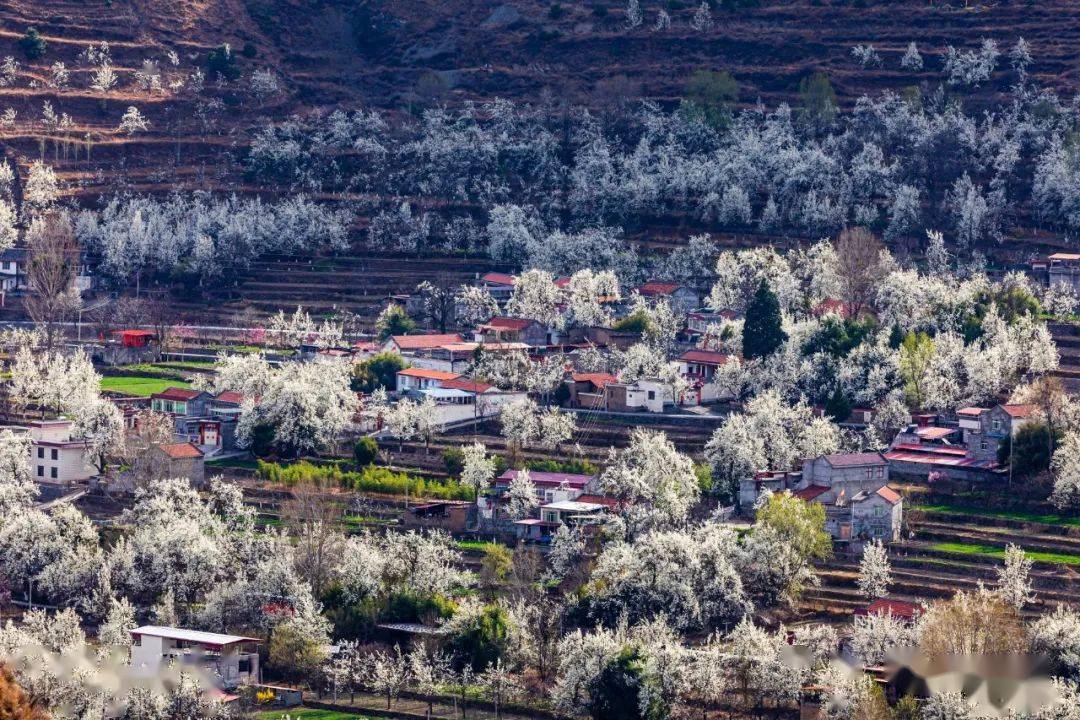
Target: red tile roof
(810, 492)
(854, 459)
(425, 342)
(509, 323)
(598, 499)
(497, 278)
(889, 494)
(597, 378)
(1018, 411)
(830, 305)
(230, 397)
(971, 411)
(658, 288)
(705, 356)
(468, 385)
(429, 374)
(181, 451)
(1065, 256)
(176, 393)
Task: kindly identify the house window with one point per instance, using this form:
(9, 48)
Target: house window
(869, 473)
(881, 472)
(52, 472)
(996, 424)
(984, 445)
(41, 471)
(41, 452)
(243, 665)
(54, 453)
(652, 395)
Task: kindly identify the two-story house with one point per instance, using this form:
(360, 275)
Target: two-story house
(181, 401)
(232, 658)
(853, 489)
(416, 378)
(550, 487)
(56, 457)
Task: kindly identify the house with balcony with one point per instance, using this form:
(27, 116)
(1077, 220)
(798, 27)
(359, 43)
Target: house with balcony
(231, 659)
(551, 487)
(1062, 268)
(181, 401)
(700, 367)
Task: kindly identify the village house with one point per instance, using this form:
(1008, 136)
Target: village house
(453, 516)
(853, 489)
(54, 456)
(683, 298)
(172, 460)
(460, 356)
(181, 401)
(642, 395)
(574, 513)
(551, 487)
(415, 378)
(412, 344)
(586, 390)
(518, 330)
(700, 368)
(13, 269)
(500, 285)
(232, 658)
(967, 450)
(1059, 268)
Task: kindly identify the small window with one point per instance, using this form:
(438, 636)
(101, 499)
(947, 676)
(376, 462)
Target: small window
(869, 473)
(41, 471)
(881, 472)
(652, 395)
(243, 665)
(52, 472)
(55, 453)
(984, 445)
(41, 452)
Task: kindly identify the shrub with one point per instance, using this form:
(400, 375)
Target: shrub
(635, 322)
(482, 640)
(377, 371)
(365, 452)
(370, 479)
(32, 44)
(221, 61)
(453, 461)
(412, 608)
(249, 50)
(576, 467)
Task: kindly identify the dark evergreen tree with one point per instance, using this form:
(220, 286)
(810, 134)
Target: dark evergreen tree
(838, 407)
(763, 333)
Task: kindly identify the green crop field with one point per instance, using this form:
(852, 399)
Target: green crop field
(991, 551)
(307, 714)
(138, 385)
(1003, 514)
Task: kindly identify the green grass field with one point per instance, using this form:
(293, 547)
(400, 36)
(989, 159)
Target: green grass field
(1063, 520)
(138, 385)
(479, 545)
(233, 462)
(307, 714)
(996, 552)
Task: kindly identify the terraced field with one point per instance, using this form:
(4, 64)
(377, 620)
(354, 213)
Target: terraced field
(956, 548)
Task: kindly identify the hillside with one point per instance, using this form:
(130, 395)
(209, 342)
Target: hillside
(396, 57)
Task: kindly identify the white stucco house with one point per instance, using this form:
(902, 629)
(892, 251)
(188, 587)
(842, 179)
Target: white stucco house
(231, 659)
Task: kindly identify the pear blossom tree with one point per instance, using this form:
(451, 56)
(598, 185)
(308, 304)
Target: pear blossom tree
(522, 497)
(478, 468)
(655, 481)
(1014, 581)
(874, 570)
